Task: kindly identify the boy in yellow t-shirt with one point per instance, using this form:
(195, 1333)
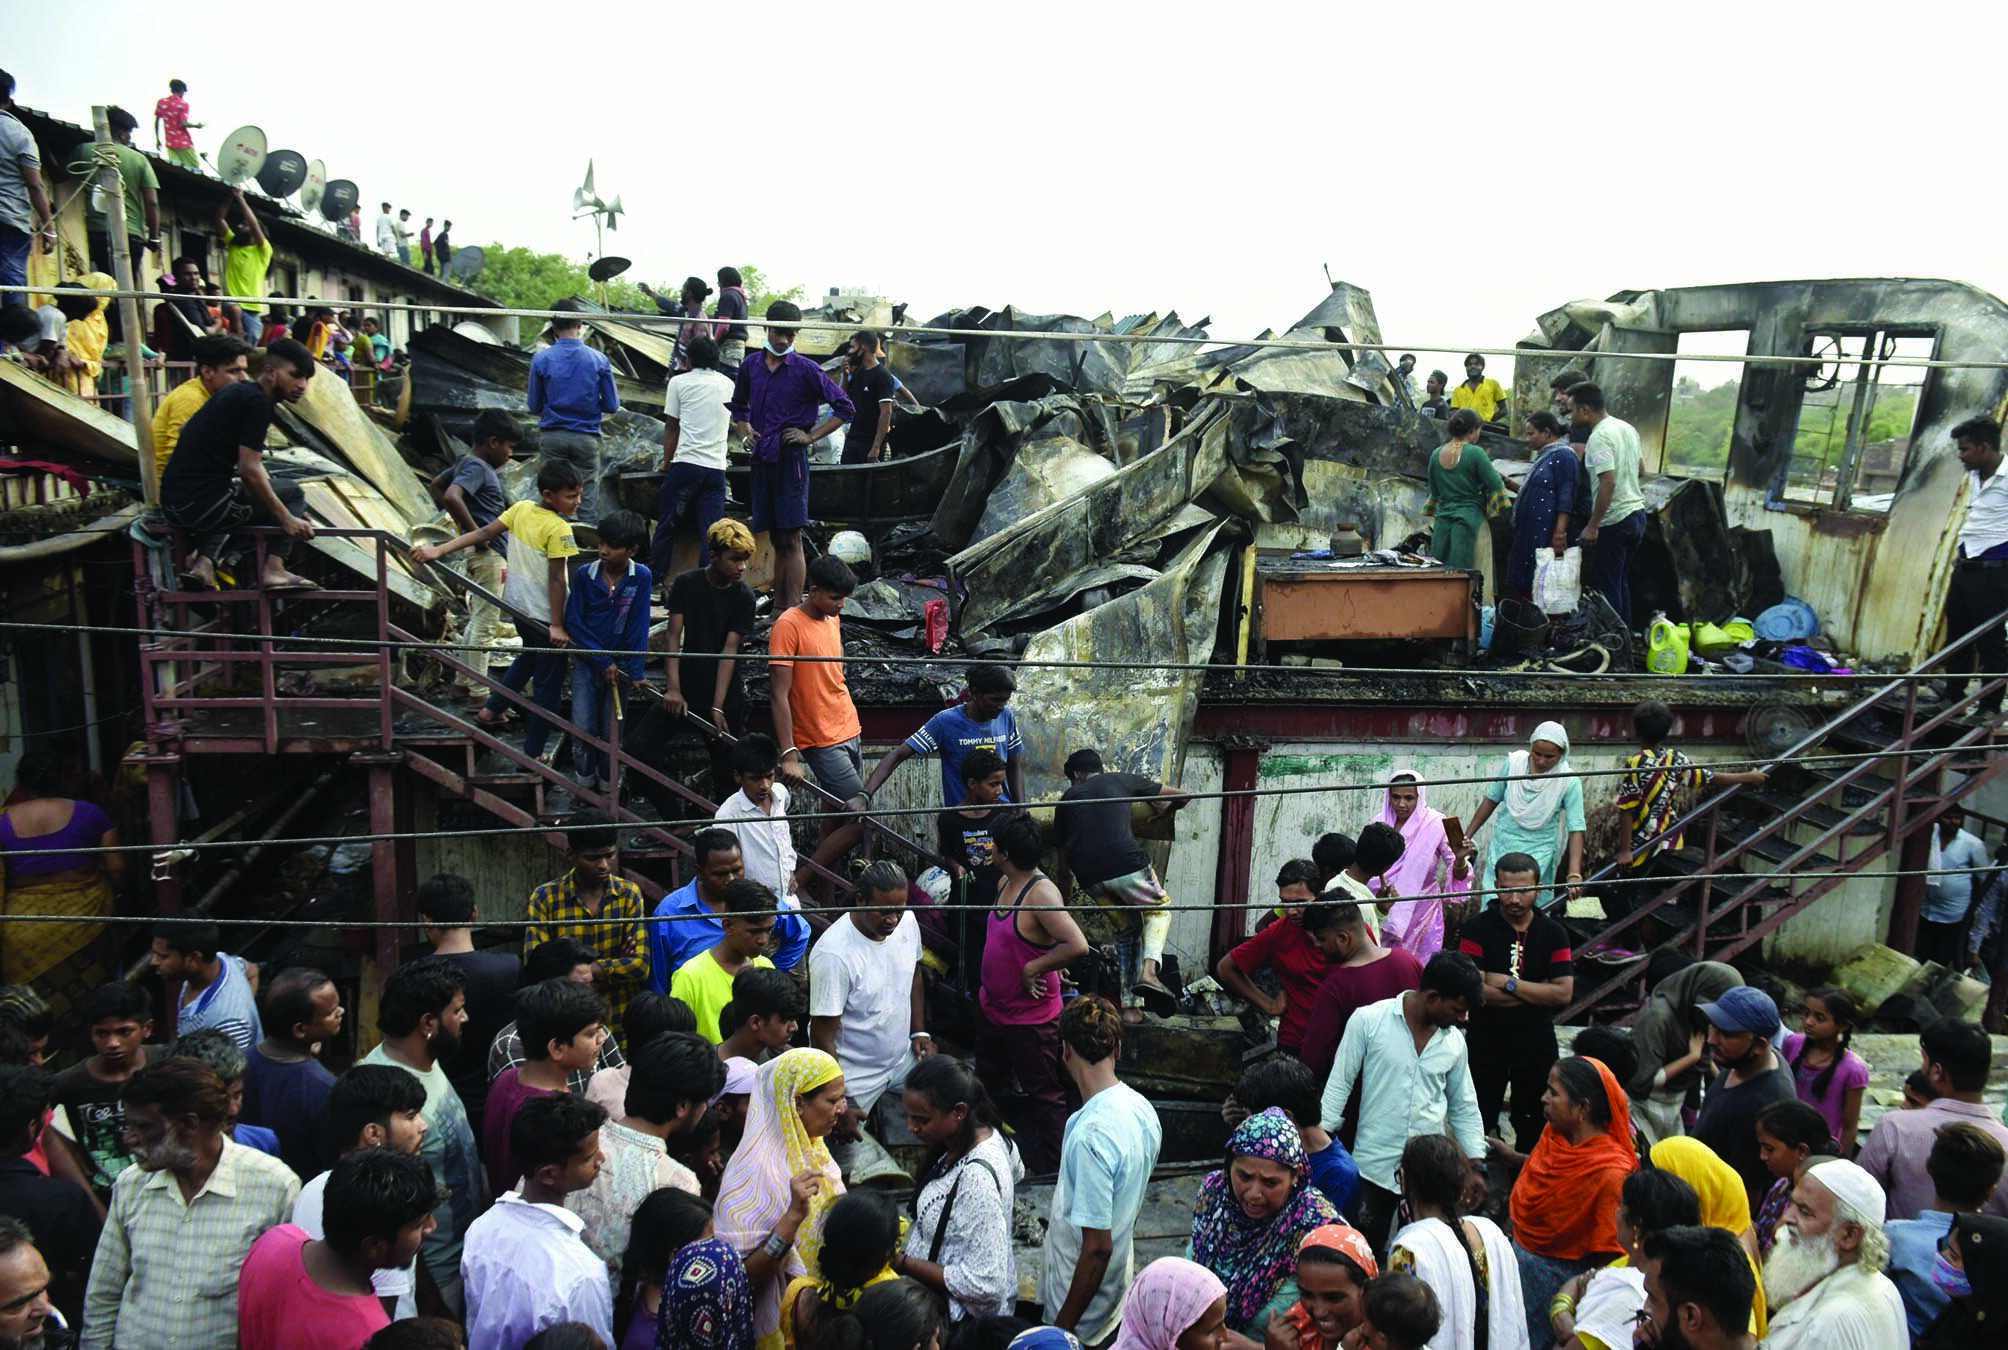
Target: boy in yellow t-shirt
(540, 542)
(704, 982)
(1483, 396)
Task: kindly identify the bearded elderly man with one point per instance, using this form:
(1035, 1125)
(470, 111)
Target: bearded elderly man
(1824, 1277)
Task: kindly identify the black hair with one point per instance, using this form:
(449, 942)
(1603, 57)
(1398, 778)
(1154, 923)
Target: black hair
(1433, 1171)
(1332, 1256)
(1706, 1267)
(870, 338)
(550, 1130)
(747, 898)
(1919, 1082)
(179, 1086)
(557, 475)
(1453, 975)
(6, 85)
(784, 311)
(294, 353)
(1841, 1007)
(947, 1083)
(1086, 763)
(18, 324)
(495, 425)
(554, 959)
(1544, 421)
(715, 840)
(1298, 872)
(213, 351)
(16, 1046)
(1585, 1087)
(1519, 864)
(418, 1333)
(373, 1193)
(121, 1000)
(1403, 1309)
(1657, 1200)
(1965, 1163)
(370, 1094)
(24, 1096)
(189, 933)
(1333, 853)
(1440, 377)
(1566, 381)
(1587, 396)
(701, 352)
(1961, 1049)
(447, 897)
(686, 1145)
(1980, 430)
(759, 991)
(1327, 914)
(1666, 962)
(416, 991)
(893, 1315)
(651, 1014)
(593, 828)
(289, 999)
(990, 678)
(994, 1332)
(556, 1010)
(729, 276)
(671, 1071)
(1283, 1082)
(622, 529)
(1018, 838)
(120, 120)
(860, 1236)
(756, 754)
(1092, 1028)
(1462, 422)
(1652, 721)
(1610, 1046)
(696, 286)
(664, 1224)
(980, 764)
(23, 1008)
(1797, 1124)
(881, 877)
(832, 575)
(1380, 847)
(566, 1336)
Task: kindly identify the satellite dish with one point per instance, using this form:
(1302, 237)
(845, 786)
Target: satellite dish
(241, 156)
(316, 184)
(282, 174)
(467, 263)
(338, 199)
(606, 269)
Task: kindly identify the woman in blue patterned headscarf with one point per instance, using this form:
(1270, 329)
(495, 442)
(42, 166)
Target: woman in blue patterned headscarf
(1252, 1214)
(707, 1303)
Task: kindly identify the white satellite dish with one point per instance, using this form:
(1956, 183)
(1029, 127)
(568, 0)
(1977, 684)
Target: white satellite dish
(241, 156)
(316, 184)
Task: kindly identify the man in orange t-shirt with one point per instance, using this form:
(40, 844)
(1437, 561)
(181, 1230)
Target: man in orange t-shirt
(814, 718)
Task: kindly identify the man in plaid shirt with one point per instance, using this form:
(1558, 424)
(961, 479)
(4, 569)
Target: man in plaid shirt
(578, 904)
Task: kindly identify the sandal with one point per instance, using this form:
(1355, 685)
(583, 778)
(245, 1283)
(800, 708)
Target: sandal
(294, 582)
(1156, 999)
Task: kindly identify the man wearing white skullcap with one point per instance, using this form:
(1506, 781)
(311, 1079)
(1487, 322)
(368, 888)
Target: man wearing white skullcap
(1824, 1277)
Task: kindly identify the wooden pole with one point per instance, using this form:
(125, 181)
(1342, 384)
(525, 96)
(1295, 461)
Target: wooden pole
(139, 400)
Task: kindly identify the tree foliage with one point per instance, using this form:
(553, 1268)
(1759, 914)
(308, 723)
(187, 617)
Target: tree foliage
(521, 278)
(1701, 422)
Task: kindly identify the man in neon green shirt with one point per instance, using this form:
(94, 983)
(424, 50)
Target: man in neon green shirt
(247, 256)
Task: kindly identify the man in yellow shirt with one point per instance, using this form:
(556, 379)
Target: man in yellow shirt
(220, 361)
(704, 982)
(1485, 397)
(247, 257)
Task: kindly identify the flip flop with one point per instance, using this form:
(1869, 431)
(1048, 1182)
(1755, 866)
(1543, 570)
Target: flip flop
(295, 582)
(196, 581)
(1156, 999)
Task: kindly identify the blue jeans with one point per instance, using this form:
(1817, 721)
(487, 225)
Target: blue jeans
(592, 713)
(15, 246)
(547, 672)
(254, 326)
(1612, 560)
(686, 490)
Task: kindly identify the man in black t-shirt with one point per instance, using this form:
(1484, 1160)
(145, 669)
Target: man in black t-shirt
(966, 835)
(446, 906)
(710, 615)
(1099, 853)
(870, 386)
(1529, 973)
(216, 482)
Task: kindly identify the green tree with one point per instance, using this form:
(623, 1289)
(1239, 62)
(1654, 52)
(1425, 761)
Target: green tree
(521, 278)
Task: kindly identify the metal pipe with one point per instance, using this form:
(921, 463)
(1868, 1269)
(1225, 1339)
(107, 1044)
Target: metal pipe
(138, 399)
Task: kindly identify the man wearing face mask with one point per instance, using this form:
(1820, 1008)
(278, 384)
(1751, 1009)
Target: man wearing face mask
(774, 405)
(1742, 1027)
(183, 1217)
(1824, 1277)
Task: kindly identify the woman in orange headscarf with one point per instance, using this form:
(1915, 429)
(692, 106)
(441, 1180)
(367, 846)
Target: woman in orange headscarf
(1565, 1202)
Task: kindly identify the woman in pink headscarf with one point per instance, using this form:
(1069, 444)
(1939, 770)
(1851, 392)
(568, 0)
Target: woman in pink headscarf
(1415, 924)
(1174, 1304)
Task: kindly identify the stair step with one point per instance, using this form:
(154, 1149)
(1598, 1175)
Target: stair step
(1777, 802)
(1776, 849)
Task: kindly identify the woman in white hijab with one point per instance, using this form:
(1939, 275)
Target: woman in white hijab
(1543, 800)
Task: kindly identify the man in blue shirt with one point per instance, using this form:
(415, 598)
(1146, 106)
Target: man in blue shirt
(1964, 1166)
(687, 922)
(982, 721)
(775, 402)
(571, 389)
(1956, 856)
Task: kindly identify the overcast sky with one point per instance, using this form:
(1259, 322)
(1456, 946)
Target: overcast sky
(1470, 165)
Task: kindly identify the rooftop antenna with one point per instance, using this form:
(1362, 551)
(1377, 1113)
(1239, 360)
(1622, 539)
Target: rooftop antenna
(282, 173)
(338, 198)
(316, 184)
(241, 156)
(606, 216)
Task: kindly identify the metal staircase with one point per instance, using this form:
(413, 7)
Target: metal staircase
(1869, 782)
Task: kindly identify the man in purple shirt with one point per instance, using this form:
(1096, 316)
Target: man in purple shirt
(774, 404)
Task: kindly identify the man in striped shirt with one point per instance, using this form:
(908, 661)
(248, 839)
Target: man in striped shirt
(216, 989)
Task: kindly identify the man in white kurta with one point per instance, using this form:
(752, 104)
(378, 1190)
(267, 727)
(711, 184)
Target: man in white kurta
(1825, 1275)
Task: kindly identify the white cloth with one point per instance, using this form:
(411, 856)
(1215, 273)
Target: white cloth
(976, 1261)
(1948, 897)
(400, 1282)
(1442, 1263)
(1859, 1195)
(1849, 1310)
(766, 844)
(636, 1166)
(1404, 1094)
(1609, 1306)
(870, 985)
(1533, 801)
(1614, 449)
(386, 233)
(1986, 523)
(1106, 1159)
(697, 400)
(525, 1268)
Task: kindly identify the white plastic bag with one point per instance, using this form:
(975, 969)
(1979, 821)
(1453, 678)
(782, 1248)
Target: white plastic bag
(1558, 582)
